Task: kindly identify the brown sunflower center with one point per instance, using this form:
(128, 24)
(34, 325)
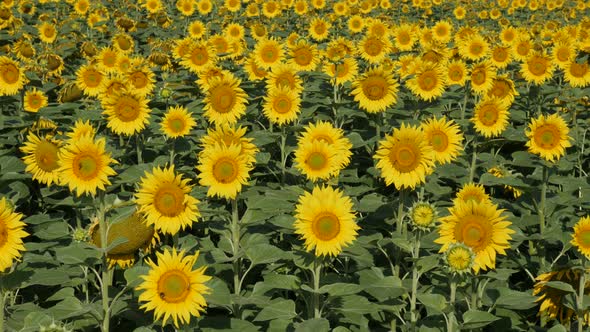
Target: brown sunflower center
(127, 109)
(476, 49)
(10, 73)
(174, 286)
(373, 46)
(403, 38)
(439, 141)
(302, 56)
(320, 28)
(341, 69)
(286, 80)
(124, 43)
(547, 136)
(404, 158)
(455, 74)
(427, 80)
(488, 115)
(223, 98)
(478, 76)
(199, 56)
(563, 54)
(176, 124)
(225, 170)
(92, 78)
(375, 87)
(109, 59)
(269, 54)
(500, 54)
(282, 104)
(139, 80)
(46, 156)
(49, 32)
(326, 226)
(578, 69)
(537, 66)
(522, 49)
(500, 89)
(169, 200)
(86, 166)
(317, 161)
(583, 239)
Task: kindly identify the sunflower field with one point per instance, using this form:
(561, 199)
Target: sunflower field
(294, 165)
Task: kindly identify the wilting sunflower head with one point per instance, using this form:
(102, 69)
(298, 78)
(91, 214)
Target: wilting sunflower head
(423, 215)
(11, 235)
(548, 137)
(324, 219)
(173, 289)
(459, 258)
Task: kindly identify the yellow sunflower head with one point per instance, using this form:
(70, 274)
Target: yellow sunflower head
(490, 117)
(127, 112)
(177, 122)
(548, 137)
(342, 72)
(482, 77)
(34, 100)
(41, 159)
(375, 90)
(268, 53)
(12, 77)
(226, 135)
(90, 79)
(471, 192)
(423, 215)
(284, 75)
(173, 289)
(326, 132)
(47, 32)
(456, 72)
(319, 29)
(581, 236)
(428, 82)
(405, 158)
(11, 235)
(282, 105)
(324, 219)
(304, 56)
(225, 101)
(460, 258)
(445, 138)
(537, 68)
(316, 160)
(81, 128)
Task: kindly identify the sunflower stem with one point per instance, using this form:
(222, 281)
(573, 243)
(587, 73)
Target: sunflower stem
(474, 294)
(580, 299)
(106, 273)
(541, 213)
(3, 295)
(172, 152)
(235, 233)
(400, 211)
(415, 277)
(317, 270)
(138, 149)
(283, 154)
(473, 160)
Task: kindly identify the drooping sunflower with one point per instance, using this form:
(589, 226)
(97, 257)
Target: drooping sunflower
(405, 158)
(224, 169)
(553, 299)
(41, 160)
(282, 105)
(375, 90)
(316, 160)
(135, 235)
(537, 68)
(374, 49)
(177, 122)
(34, 100)
(90, 79)
(225, 101)
(577, 74)
(471, 192)
(85, 165)
(268, 53)
(173, 289)
(123, 42)
(445, 138)
(481, 226)
(428, 82)
(456, 72)
(226, 135)
(164, 198)
(326, 132)
(500, 172)
(324, 219)
(12, 77)
(482, 77)
(81, 128)
(11, 235)
(127, 112)
(490, 117)
(342, 72)
(548, 137)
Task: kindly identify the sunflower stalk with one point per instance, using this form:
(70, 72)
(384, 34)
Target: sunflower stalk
(415, 277)
(452, 298)
(3, 296)
(283, 154)
(138, 149)
(172, 153)
(235, 234)
(541, 213)
(317, 270)
(105, 280)
(580, 299)
(473, 160)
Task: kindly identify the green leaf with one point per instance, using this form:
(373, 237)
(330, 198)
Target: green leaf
(371, 202)
(48, 278)
(77, 253)
(473, 319)
(434, 302)
(264, 254)
(278, 309)
(356, 304)
(315, 325)
(133, 275)
(219, 294)
(340, 289)
(557, 328)
(560, 285)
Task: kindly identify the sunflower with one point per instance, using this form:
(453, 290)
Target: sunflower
(471, 192)
(501, 56)
(456, 72)
(503, 88)
(562, 53)
(11, 235)
(204, 7)
(84, 165)
(375, 90)
(319, 29)
(459, 258)
(374, 49)
(481, 226)
(490, 117)
(153, 6)
(41, 160)
(225, 101)
(107, 59)
(522, 47)
(577, 74)
(342, 72)
(12, 77)
(474, 48)
(324, 219)
(268, 53)
(405, 37)
(255, 72)
(284, 75)
(482, 77)
(356, 24)
(224, 169)
(47, 32)
(405, 158)
(326, 132)
(553, 299)
(304, 56)
(423, 215)
(177, 122)
(444, 137)
(235, 31)
(127, 113)
(134, 234)
(111, 86)
(442, 31)
(173, 289)
(81, 128)
(141, 79)
(316, 160)
(123, 42)
(226, 135)
(34, 100)
(500, 172)
(186, 7)
(90, 79)
(282, 105)
(24, 50)
(548, 137)
(428, 82)
(537, 68)
(508, 35)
